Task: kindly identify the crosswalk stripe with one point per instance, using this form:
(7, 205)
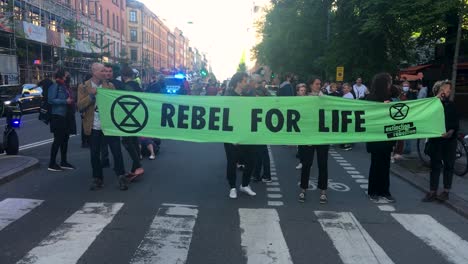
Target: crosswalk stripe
(262, 238)
(169, 236)
(447, 243)
(12, 209)
(354, 244)
(67, 243)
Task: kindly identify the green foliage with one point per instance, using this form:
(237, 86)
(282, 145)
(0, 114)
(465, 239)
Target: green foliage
(242, 67)
(364, 36)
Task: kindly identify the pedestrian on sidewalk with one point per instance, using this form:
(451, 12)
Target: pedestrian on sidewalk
(443, 150)
(62, 122)
(379, 172)
(306, 153)
(92, 127)
(234, 152)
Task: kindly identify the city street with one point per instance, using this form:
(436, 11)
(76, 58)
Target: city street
(179, 212)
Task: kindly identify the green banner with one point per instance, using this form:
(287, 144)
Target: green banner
(302, 120)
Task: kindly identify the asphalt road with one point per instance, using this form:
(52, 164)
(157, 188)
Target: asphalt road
(179, 212)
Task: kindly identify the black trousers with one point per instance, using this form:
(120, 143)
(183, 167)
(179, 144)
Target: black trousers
(233, 154)
(60, 142)
(262, 160)
(306, 154)
(379, 173)
(132, 146)
(96, 139)
(443, 154)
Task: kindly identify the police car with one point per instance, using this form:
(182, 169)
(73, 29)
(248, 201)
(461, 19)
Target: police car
(174, 84)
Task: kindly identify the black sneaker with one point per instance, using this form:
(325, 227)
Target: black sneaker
(443, 196)
(302, 197)
(374, 198)
(266, 179)
(123, 183)
(256, 179)
(388, 199)
(97, 184)
(66, 166)
(430, 197)
(54, 167)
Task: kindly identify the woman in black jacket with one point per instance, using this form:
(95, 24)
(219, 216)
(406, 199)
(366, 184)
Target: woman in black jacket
(442, 150)
(379, 172)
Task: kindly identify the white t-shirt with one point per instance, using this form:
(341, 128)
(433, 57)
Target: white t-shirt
(422, 93)
(97, 120)
(348, 96)
(360, 91)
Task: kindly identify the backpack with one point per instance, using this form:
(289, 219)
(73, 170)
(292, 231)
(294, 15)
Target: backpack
(45, 108)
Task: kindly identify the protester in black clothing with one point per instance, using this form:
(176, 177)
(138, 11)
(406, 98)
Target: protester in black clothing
(45, 84)
(443, 150)
(131, 143)
(306, 154)
(237, 85)
(334, 90)
(157, 86)
(62, 123)
(111, 78)
(286, 88)
(379, 172)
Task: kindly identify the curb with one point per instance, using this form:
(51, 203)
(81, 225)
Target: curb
(30, 164)
(455, 203)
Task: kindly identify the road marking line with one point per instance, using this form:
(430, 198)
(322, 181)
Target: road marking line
(262, 239)
(353, 172)
(345, 164)
(387, 208)
(275, 203)
(273, 174)
(67, 243)
(364, 186)
(179, 205)
(334, 154)
(12, 209)
(349, 168)
(354, 244)
(273, 190)
(341, 161)
(274, 178)
(275, 195)
(169, 236)
(356, 176)
(338, 158)
(39, 143)
(451, 246)
(362, 181)
(272, 183)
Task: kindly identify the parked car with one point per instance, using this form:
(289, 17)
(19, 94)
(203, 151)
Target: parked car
(28, 101)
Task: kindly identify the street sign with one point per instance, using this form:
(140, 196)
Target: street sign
(339, 74)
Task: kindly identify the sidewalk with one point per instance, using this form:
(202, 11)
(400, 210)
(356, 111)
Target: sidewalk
(411, 170)
(14, 166)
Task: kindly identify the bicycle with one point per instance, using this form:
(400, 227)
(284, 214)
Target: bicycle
(461, 158)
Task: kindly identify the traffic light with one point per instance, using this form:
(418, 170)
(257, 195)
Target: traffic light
(203, 73)
(272, 75)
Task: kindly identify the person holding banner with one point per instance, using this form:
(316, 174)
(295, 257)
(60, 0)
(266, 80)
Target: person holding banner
(234, 152)
(92, 127)
(306, 154)
(379, 172)
(443, 150)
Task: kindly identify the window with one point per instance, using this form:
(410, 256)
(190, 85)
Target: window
(133, 16)
(118, 28)
(108, 19)
(133, 35)
(113, 21)
(100, 13)
(134, 55)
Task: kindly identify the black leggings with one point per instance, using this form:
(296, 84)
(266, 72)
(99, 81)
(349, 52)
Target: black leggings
(306, 154)
(233, 154)
(443, 155)
(60, 141)
(133, 149)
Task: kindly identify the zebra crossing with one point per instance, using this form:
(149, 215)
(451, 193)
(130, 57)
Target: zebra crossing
(168, 238)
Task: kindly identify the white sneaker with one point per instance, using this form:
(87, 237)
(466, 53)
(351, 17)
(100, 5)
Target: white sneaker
(299, 166)
(152, 157)
(233, 193)
(247, 190)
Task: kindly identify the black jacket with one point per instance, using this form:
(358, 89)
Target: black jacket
(451, 117)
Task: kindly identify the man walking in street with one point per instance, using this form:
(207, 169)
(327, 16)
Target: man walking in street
(92, 127)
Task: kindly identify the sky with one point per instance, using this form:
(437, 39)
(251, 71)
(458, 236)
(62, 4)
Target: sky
(218, 28)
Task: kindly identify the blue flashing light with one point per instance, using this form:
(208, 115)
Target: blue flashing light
(179, 76)
(15, 123)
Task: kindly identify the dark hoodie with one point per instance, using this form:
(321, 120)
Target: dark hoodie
(131, 86)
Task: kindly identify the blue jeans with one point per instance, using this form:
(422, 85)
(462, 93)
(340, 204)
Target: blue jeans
(95, 141)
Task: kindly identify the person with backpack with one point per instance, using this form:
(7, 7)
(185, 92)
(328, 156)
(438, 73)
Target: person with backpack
(62, 120)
